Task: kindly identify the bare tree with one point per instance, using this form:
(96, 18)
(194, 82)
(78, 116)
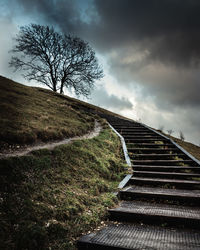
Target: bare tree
(170, 132)
(56, 60)
(182, 137)
(161, 128)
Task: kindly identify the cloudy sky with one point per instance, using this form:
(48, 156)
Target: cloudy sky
(149, 49)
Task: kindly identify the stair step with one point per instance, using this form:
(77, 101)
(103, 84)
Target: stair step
(153, 150)
(185, 184)
(131, 129)
(150, 145)
(137, 133)
(118, 126)
(141, 140)
(140, 237)
(125, 123)
(146, 212)
(170, 175)
(189, 196)
(157, 156)
(138, 137)
(165, 168)
(145, 139)
(163, 162)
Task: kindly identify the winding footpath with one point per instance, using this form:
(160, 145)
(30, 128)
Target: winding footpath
(51, 145)
(160, 202)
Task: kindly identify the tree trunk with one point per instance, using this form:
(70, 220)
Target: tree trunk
(61, 87)
(54, 85)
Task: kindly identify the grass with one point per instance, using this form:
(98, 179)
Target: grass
(188, 146)
(31, 114)
(50, 198)
(191, 148)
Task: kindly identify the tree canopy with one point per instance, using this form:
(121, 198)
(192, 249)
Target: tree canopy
(56, 60)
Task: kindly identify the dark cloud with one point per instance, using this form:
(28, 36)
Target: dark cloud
(70, 16)
(155, 43)
(170, 86)
(152, 44)
(63, 13)
(168, 29)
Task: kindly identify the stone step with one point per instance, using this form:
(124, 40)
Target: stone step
(183, 184)
(163, 194)
(166, 168)
(140, 237)
(164, 162)
(155, 214)
(170, 175)
(157, 156)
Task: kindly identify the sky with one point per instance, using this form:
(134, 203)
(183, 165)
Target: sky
(149, 50)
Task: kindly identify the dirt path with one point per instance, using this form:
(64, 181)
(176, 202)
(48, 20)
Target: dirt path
(51, 145)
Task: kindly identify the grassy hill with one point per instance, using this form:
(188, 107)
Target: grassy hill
(51, 197)
(32, 114)
(191, 148)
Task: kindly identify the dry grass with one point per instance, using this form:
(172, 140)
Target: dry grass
(191, 148)
(188, 146)
(30, 114)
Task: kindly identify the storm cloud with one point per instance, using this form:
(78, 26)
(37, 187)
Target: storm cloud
(155, 43)
(150, 48)
(168, 30)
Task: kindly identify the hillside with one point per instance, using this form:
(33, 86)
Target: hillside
(29, 115)
(188, 146)
(32, 114)
(50, 197)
